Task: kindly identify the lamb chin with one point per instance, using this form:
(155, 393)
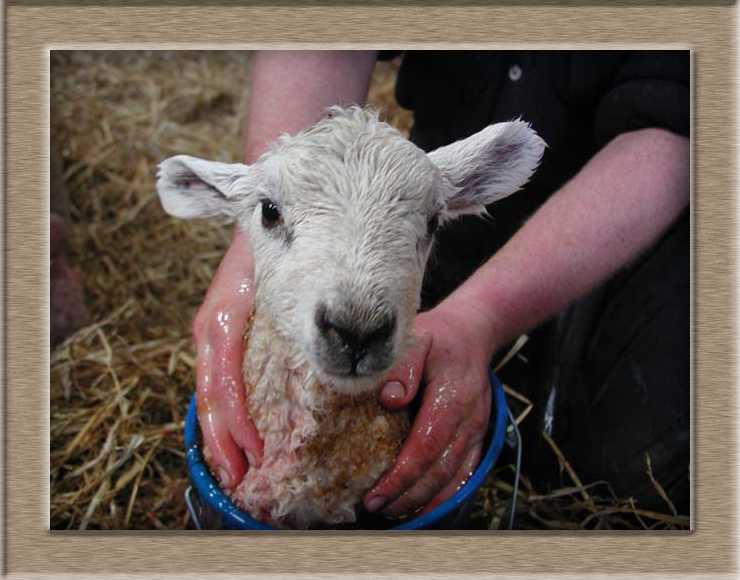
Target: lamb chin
(351, 385)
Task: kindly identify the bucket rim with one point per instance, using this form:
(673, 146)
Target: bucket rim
(210, 492)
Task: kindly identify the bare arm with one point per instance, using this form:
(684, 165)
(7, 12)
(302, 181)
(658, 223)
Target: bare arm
(618, 205)
(614, 208)
(289, 91)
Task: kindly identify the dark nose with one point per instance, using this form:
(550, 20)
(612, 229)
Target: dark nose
(354, 338)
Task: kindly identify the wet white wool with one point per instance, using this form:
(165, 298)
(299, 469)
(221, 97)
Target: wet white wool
(341, 221)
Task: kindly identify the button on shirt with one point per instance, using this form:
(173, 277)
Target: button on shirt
(576, 100)
(515, 72)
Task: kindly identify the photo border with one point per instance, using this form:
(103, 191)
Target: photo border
(32, 29)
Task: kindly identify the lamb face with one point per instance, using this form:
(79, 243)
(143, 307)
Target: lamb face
(341, 218)
(341, 231)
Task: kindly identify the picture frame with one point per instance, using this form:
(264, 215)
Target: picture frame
(33, 28)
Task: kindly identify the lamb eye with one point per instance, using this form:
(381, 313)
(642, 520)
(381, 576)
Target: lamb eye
(270, 214)
(433, 224)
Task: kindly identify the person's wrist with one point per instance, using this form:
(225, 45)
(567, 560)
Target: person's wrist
(475, 321)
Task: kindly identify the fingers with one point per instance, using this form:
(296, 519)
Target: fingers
(460, 478)
(228, 432)
(431, 482)
(228, 387)
(432, 433)
(223, 456)
(244, 432)
(450, 425)
(402, 383)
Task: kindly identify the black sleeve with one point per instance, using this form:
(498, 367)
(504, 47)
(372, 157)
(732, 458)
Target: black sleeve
(649, 89)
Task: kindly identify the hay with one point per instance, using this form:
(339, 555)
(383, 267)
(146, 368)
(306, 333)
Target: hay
(592, 506)
(120, 387)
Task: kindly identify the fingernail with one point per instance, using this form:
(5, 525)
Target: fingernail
(223, 477)
(394, 391)
(375, 503)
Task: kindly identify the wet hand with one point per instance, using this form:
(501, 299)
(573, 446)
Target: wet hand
(451, 355)
(231, 441)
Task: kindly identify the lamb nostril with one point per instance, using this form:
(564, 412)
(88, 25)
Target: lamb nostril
(382, 332)
(353, 337)
(346, 334)
(349, 336)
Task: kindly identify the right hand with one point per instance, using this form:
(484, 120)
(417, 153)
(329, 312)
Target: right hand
(231, 441)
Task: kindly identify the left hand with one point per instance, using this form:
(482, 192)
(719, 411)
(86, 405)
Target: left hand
(451, 354)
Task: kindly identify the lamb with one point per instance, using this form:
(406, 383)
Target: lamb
(341, 218)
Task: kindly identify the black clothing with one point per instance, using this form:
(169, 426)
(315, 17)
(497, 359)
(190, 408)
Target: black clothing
(626, 392)
(577, 101)
(620, 358)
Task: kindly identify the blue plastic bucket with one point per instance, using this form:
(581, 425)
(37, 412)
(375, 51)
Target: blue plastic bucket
(213, 499)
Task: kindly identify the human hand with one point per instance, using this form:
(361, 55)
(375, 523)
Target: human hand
(231, 441)
(451, 354)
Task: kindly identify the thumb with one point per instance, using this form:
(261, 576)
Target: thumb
(403, 380)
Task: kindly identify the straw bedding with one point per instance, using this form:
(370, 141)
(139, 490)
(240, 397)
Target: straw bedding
(120, 386)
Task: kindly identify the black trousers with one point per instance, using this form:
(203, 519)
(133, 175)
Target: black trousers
(615, 368)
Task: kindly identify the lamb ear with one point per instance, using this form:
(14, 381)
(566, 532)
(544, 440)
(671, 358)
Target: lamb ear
(489, 165)
(189, 187)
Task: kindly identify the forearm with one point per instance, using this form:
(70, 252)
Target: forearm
(614, 208)
(291, 89)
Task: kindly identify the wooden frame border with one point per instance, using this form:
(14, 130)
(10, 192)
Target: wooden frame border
(31, 30)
